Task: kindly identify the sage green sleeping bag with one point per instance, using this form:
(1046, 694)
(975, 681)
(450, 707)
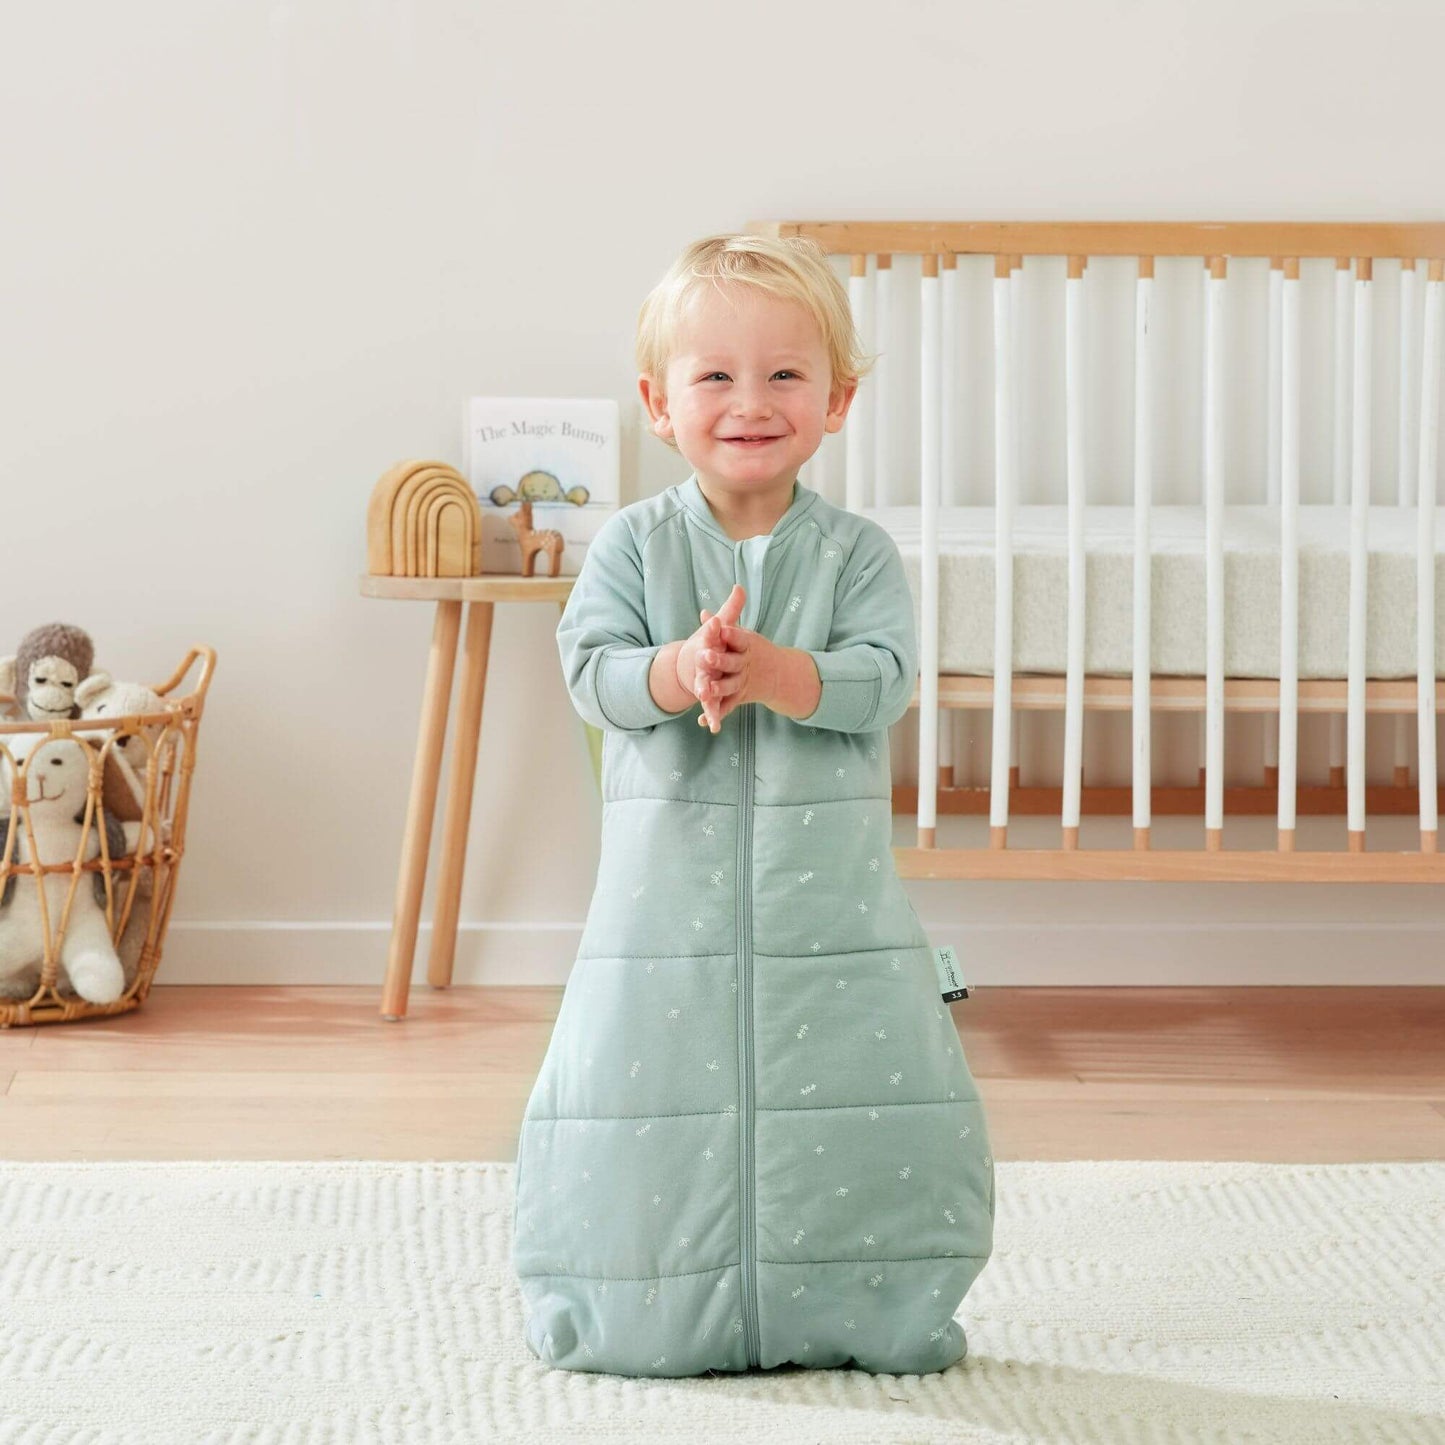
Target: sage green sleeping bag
(754, 1138)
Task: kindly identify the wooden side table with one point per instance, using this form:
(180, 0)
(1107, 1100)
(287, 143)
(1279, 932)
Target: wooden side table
(478, 594)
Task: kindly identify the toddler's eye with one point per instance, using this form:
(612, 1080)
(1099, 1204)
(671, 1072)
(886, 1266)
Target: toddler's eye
(712, 374)
(787, 373)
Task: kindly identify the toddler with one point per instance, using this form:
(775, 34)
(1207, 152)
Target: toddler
(754, 1139)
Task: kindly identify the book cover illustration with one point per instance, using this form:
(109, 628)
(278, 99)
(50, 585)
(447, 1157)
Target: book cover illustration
(561, 454)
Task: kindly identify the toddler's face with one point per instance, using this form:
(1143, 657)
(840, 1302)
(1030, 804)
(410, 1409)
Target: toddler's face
(745, 366)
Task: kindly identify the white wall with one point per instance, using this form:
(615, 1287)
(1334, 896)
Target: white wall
(254, 254)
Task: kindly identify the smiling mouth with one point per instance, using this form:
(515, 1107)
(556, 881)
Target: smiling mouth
(750, 441)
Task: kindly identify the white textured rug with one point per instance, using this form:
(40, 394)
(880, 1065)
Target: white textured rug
(1127, 1303)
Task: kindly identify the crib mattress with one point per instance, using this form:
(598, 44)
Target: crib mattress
(1177, 647)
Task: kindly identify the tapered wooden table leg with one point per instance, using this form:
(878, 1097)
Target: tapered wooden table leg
(475, 650)
(411, 877)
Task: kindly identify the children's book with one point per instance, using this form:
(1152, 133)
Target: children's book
(561, 454)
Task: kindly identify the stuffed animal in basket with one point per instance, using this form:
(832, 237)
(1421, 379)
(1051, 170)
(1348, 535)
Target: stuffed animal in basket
(56, 775)
(100, 696)
(42, 677)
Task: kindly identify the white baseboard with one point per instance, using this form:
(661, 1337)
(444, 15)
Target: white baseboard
(1066, 953)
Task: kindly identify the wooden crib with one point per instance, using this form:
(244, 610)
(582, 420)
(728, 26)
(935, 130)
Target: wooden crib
(904, 460)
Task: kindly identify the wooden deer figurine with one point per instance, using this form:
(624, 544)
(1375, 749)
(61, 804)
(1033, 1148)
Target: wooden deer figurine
(548, 541)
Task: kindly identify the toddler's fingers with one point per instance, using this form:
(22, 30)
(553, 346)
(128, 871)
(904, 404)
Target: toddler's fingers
(736, 599)
(707, 692)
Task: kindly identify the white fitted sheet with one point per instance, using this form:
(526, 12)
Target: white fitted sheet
(1251, 580)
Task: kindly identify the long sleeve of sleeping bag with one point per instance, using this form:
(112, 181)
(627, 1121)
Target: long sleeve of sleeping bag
(603, 639)
(870, 666)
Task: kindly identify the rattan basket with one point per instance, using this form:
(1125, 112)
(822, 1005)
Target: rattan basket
(136, 775)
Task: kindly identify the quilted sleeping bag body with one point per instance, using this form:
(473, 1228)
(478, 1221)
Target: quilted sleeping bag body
(754, 1138)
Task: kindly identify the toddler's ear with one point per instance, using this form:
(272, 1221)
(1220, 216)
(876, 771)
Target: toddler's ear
(839, 400)
(655, 401)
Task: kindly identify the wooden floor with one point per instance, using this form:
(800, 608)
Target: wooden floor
(1284, 1074)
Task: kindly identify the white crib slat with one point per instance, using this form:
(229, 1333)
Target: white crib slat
(1359, 561)
(1341, 453)
(1341, 486)
(1074, 657)
(1143, 558)
(1425, 554)
(1272, 462)
(1406, 452)
(954, 721)
(930, 394)
(884, 493)
(1275, 375)
(1004, 489)
(1409, 443)
(1214, 555)
(952, 480)
(859, 432)
(1288, 719)
(1019, 368)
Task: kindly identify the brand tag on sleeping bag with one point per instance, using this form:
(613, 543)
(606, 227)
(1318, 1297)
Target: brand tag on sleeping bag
(950, 976)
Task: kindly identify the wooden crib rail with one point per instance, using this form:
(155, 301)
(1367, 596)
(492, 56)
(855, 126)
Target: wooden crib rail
(1354, 247)
(1118, 238)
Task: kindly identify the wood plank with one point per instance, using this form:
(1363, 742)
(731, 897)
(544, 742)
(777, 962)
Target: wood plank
(1266, 1073)
(1326, 1131)
(1317, 800)
(14, 1043)
(1183, 865)
(98, 1085)
(439, 1126)
(1178, 694)
(1387, 239)
(492, 587)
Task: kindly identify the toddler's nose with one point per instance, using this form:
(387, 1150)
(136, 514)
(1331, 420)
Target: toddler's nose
(752, 404)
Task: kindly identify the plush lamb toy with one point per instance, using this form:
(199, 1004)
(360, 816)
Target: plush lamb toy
(56, 778)
(100, 696)
(43, 676)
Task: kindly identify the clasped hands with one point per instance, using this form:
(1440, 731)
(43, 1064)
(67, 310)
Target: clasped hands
(724, 665)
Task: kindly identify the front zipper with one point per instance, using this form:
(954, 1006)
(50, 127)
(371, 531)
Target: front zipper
(751, 1341)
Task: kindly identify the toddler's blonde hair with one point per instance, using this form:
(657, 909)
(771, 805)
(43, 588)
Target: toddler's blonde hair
(791, 267)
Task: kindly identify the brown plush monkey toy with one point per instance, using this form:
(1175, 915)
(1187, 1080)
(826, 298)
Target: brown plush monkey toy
(42, 677)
